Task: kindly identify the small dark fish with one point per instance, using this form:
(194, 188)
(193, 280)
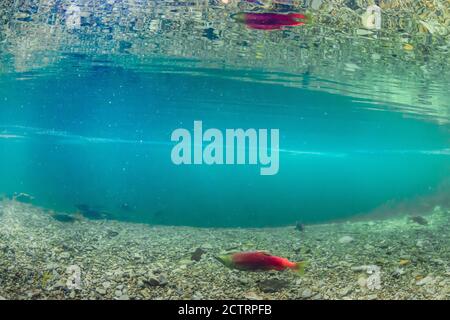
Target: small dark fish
(127, 207)
(91, 213)
(299, 226)
(83, 207)
(23, 197)
(419, 220)
(158, 215)
(112, 233)
(64, 218)
(197, 254)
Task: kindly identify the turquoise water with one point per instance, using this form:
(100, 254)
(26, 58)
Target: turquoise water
(89, 130)
(103, 139)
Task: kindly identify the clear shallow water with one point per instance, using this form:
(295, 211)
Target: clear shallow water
(87, 119)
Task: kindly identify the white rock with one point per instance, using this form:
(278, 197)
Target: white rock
(424, 281)
(307, 293)
(362, 282)
(252, 296)
(363, 32)
(346, 239)
(101, 291)
(315, 4)
(351, 67)
(65, 255)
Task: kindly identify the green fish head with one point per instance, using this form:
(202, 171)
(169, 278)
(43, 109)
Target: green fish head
(226, 260)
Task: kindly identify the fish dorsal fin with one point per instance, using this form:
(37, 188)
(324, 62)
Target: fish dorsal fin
(266, 253)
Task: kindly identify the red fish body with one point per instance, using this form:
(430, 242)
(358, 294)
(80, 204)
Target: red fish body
(259, 261)
(270, 21)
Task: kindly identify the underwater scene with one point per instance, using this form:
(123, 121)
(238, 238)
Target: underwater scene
(225, 149)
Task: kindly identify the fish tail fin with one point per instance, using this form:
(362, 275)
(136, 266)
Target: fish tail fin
(299, 268)
(308, 17)
(298, 16)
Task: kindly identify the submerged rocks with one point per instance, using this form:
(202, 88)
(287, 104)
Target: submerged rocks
(156, 281)
(152, 262)
(371, 282)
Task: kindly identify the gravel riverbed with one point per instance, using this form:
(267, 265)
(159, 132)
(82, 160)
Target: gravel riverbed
(396, 258)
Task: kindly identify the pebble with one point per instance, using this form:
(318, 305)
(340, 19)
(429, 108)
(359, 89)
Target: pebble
(101, 291)
(345, 291)
(207, 246)
(197, 296)
(346, 239)
(252, 296)
(363, 32)
(272, 285)
(424, 281)
(362, 282)
(307, 293)
(156, 281)
(352, 68)
(398, 272)
(315, 4)
(65, 255)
